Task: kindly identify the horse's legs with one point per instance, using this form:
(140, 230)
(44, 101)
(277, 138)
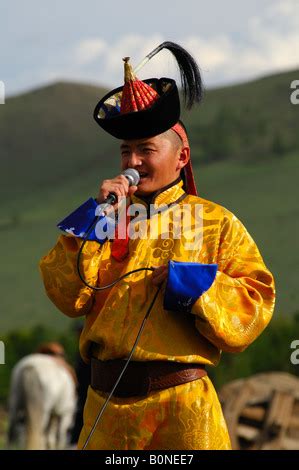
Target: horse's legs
(34, 425)
(65, 423)
(15, 412)
(52, 432)
(34, 409)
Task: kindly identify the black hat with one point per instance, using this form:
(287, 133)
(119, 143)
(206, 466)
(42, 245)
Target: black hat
(141, 109)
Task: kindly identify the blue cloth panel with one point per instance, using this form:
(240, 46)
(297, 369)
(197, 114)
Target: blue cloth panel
(186, 282)
(80, 220)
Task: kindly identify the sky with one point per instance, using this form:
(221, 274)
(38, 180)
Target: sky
(233, 40)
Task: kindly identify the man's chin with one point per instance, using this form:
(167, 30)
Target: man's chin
(141, 192)
(145, 189)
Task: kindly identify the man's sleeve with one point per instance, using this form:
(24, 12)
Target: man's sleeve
(59, 267)
(233, 303)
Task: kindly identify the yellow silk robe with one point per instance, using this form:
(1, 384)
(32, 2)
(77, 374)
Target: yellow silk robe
(227, 317)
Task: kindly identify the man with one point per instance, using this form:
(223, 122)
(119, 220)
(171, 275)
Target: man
(218, 294)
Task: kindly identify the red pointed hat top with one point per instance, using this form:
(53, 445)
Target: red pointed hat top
(136, 94)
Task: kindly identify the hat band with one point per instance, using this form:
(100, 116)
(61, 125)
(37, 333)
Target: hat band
(188, 170)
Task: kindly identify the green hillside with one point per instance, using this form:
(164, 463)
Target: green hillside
(245, 148)
(251, 122)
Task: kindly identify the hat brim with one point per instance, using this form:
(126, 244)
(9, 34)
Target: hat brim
(161, 116)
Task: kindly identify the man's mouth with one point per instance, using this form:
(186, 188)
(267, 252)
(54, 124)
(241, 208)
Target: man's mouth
(143, 175)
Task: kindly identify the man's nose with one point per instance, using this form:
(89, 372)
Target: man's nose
(134, 160)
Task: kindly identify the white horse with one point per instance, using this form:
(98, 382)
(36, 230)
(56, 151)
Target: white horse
(42, 403)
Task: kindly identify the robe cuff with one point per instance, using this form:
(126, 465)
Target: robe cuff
(186, 282)
(80, 220)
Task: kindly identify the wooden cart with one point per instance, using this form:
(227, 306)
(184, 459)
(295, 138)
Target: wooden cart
(262, 411)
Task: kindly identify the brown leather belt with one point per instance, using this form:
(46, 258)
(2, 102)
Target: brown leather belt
(140, 378)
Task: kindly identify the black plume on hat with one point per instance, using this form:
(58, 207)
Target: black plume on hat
(190, 74)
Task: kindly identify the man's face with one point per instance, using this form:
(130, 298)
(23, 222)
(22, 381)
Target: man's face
(157, 159)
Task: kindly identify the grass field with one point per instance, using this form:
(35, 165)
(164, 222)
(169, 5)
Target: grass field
(3, 428)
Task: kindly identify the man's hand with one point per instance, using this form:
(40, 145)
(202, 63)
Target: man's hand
(118, 185)
(159, 275)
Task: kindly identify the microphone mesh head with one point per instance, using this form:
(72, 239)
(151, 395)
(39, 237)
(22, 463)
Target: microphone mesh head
(132, 176)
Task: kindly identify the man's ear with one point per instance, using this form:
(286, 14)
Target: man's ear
(184, 158)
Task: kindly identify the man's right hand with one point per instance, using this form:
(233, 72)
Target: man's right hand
(119, 186)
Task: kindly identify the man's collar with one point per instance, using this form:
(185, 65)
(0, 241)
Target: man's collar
(166, 195)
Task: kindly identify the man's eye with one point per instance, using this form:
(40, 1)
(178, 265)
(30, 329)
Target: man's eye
(124, 153)
(147, 150)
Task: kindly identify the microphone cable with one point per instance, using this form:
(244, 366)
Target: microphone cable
(100, 413)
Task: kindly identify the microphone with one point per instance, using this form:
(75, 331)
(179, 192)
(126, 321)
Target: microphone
(133, 178)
